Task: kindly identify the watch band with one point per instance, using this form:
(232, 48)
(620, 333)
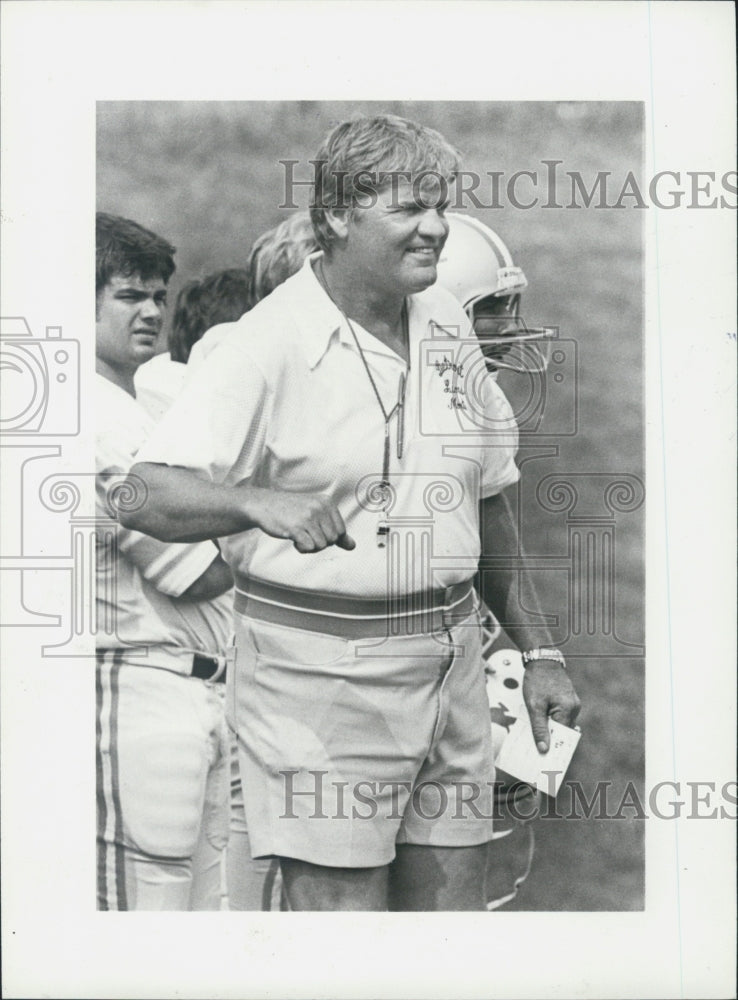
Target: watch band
(543, 653)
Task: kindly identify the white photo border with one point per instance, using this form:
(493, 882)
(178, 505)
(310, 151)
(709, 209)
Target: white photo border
(58, 60)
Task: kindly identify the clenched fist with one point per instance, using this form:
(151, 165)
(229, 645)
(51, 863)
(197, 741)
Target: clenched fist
(312, 521)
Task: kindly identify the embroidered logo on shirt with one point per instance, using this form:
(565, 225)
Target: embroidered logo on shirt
(456, 402)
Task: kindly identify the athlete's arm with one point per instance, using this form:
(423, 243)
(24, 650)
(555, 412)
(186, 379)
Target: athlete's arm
(547, 688)
(216, 580)
(176, 505)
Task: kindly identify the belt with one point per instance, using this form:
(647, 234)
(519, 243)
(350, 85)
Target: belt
(352, 617)
(209, 668)
(174, 659)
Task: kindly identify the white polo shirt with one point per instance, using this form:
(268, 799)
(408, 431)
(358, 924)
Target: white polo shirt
(283, 400)
(139, 579)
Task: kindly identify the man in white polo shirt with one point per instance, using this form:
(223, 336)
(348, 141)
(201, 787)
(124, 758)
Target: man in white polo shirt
(349, 451)
(162, 765)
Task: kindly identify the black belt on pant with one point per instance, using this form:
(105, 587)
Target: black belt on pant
(172, 658)
(206, 668)
(351, 617)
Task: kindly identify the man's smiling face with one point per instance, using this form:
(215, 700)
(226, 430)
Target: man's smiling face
(397, 237)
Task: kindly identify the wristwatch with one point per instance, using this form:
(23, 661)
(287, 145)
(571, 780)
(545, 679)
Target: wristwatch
(543, 653)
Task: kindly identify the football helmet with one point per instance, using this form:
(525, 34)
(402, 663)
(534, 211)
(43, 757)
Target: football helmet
(477, 268)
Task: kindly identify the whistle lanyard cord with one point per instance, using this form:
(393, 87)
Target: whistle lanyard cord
(399, 406)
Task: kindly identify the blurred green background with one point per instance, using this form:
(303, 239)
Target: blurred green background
(206, 175)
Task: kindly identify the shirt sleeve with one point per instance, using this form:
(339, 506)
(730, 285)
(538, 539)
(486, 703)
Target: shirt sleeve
(499, 469)
(204, 346)
(172, 567)
(169, 567)
(217, 426)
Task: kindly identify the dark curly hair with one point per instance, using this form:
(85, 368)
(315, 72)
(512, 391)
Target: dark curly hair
(126, 248)
(221, 297)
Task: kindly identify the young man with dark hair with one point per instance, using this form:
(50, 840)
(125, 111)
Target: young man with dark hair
(161, 740)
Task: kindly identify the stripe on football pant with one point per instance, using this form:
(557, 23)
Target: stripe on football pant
(267, 892)
(111, 873)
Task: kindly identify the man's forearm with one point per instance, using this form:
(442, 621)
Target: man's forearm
(508, 591)
(499, 596)
(177, 506)
(547, 689)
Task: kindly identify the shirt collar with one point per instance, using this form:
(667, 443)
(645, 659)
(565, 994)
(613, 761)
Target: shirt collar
(319, 319)
(315, 315)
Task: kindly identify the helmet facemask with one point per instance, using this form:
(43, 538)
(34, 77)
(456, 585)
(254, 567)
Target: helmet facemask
(507, 343)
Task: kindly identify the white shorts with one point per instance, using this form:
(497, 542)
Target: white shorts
(347, 747)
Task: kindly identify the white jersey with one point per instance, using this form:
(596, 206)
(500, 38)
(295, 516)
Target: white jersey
(140, 580)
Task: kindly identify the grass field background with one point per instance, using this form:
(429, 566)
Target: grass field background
(206, 175)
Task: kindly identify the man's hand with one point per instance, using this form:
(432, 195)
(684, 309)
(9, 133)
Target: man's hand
(178, 506)
(312, 521)
(548, 691)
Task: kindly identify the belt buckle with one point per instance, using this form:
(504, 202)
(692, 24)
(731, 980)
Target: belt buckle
(220, 667)
(219, 674)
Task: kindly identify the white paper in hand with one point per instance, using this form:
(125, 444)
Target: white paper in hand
(519, 755)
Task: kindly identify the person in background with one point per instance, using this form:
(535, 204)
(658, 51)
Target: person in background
(202, 303)
(279, 253)
(478, 269)
(161, 759)
(275, 256)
